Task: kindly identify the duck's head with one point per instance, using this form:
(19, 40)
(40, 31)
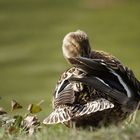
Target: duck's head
(76, 44)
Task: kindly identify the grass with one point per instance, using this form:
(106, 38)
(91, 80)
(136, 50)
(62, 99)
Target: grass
(31, 33)
(62, 133)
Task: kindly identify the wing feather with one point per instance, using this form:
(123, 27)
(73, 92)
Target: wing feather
(99, 85)
(66, 96)
(104, 65)
(66, 113)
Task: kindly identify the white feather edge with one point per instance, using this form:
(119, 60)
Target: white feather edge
(125, 86)
(63, 114)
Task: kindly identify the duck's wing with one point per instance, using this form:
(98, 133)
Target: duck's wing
(124, 75)
(89, 65)
(65, 113)
(67, 108)
(65, 92)
(99, 85)
(59, 115)
(65, 96)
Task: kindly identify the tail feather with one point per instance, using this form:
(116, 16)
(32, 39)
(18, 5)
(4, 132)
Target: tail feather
(59, 115)
(94, 106)
(66, 113)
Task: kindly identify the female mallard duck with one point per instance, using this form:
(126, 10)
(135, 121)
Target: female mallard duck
(98, 90)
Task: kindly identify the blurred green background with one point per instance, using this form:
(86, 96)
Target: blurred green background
(31, 34)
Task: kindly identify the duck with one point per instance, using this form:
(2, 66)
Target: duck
(98, 90)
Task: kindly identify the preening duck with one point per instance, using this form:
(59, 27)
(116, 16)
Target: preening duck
(98, 90)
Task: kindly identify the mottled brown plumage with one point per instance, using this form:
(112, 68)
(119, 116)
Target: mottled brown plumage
(98, 90)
